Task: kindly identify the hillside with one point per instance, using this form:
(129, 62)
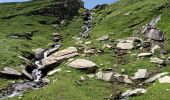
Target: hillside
(115, 42)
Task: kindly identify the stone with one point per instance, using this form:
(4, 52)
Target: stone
(152, 79)
(103, 38)
(39, 53)
(128, 93)
(82, 78)
(165, 79)
(45, 80)
(155, 48)
(82, 64)
(107, 46)
(58, 56)
(104, 76)
(155, 34)
(128, 43)
(127, 80)
(55, 34)
(147, 54)
(140, 74)
(10, 71)
(89, 51)
(28, 75)
(54, 71)
(157, 60)
(88, 43)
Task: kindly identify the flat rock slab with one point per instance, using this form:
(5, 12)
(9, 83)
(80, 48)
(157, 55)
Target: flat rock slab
(165, 79)
(58, 56)
(145, 54)
(82, 64)
(107, 76)
(152, 79)
(10, 71)
(54, 71)
(141, 74)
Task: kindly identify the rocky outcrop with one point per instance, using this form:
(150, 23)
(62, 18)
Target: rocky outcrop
(58, 56)
(64, 9)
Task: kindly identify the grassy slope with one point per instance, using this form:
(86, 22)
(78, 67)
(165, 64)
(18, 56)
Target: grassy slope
(108, 21)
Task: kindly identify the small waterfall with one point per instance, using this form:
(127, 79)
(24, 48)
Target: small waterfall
(87, 24)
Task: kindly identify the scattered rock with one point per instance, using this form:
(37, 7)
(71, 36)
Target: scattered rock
(104, 76)
(82, 78)
(10, 71)
(165, 79)
(107, 46)
(155, 34)
(128, 93)
(45, 80)
(89, 51)
(28, 75)
(141, 74)
(103, 38)
(58, 56)
(145, 54)
(127, 80)
(157, 60)
(155, 48)
(88, 43)
(152, 79)
(39, 53)
(54, 71)
(55, 34)
(82, 64)
(128, 43)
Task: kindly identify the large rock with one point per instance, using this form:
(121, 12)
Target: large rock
(157, 60)
(128, 43)
(155, 34)
(165, 79)
(141, 74)
(58, 56)
(82, 64)
(147, 54)
(152, 79)
(10, 71)
(104, 76)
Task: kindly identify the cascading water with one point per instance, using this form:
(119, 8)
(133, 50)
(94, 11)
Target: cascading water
(17, 88)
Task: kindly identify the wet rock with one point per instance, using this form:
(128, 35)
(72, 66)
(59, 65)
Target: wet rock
(58, 56)
(10, 71)
(147, 54)
(45, 80)
(129, 93)
(107, 76)
(39, 53)
(165, 79)
(157, 60)
(155, 34)
(28, 75)
(54, 71)
(141, 74)
(152, 79)
(82, 64)
(155, 48)
(55, 34)
(103, 38)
